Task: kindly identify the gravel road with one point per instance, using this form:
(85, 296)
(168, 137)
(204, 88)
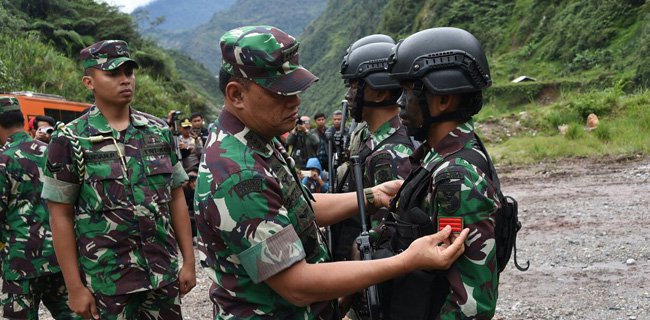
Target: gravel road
(585, 233)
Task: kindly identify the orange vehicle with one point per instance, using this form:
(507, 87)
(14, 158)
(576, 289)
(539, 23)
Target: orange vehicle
(34, 104)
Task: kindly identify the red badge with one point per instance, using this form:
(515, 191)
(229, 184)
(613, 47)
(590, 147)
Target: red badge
(455, 223)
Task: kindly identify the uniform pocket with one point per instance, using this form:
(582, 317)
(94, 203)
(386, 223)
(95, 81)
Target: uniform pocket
(104, 187)
(158, 170)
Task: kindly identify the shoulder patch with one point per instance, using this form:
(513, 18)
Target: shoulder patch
(448, 175)
(383, 173)
(448, 197)
(248, 186)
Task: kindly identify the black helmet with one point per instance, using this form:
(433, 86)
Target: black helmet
(446, 60)
(373, 38)
(370, 63)
(366, 60)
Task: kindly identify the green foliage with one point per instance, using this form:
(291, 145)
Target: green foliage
(603, 132)
(33, 66)
(41, 42)
(575, 131)
(324, 44)
(394, 16)
(623, 130)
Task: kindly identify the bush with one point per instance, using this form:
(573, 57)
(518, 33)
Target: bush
(603, 132)
(575, 131)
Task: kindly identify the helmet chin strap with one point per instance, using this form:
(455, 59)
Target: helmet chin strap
(360, 102)
(463, 114)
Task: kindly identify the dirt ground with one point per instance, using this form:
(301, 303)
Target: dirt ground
(586, 236)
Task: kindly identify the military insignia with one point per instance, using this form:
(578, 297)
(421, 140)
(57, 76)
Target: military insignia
(383, 173)
(119, 50)
(54, 167)
(248, 186)
(456, 223)
(448, 197)
(157, 149)
(99, 156)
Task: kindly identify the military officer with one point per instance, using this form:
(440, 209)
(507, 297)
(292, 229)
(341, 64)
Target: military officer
(114, 191)
(258, 227)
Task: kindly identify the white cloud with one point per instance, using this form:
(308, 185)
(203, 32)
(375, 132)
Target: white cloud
(126, 5)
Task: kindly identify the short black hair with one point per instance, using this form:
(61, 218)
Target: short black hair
(47, 119)
(12, 119)
(195, 114)
(319, 115)
(337, 112)
(225, 78)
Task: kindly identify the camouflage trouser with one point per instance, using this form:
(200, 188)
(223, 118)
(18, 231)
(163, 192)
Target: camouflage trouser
(21, 298)
(158, 304)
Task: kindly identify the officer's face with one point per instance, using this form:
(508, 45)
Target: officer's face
(267, 113)
(112, 88)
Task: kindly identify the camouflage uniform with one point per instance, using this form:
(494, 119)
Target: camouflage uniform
(388, 162)
(120, 185)
(30, 272)
(255, 218)
(460, 189)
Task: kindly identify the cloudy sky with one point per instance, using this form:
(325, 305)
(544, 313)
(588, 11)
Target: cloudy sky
(126, 5)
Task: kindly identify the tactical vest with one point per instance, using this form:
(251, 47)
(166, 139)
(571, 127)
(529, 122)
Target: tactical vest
(344, 232)
(421, 294)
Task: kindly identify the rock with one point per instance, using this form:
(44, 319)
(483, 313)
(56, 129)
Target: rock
(592, 121)
(630, 261)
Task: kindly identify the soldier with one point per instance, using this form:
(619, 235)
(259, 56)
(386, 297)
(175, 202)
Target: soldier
(380, 139)
(258, 226)
(30, 272)
(115, 197)
(443, 72)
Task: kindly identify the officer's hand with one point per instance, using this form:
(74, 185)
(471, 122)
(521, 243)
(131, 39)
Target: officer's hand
(187, 279)
(82, 302)
(436, 251)
(386, 191)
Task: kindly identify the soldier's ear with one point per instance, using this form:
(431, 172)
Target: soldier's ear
(88, 82)
(235, 93)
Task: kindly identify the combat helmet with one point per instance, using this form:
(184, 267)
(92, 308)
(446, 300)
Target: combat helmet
(366, 61)
(447, 60)
(442, 61)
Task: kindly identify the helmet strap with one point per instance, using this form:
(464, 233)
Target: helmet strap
(360, 102)
(462, 114)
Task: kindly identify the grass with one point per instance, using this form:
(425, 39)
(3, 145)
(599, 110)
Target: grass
(624, 128)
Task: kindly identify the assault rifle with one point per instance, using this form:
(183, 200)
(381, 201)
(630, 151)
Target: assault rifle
(363, 240)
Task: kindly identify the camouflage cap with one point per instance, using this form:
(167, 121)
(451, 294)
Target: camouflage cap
(266, 55)
(106, 55)
(8, 104)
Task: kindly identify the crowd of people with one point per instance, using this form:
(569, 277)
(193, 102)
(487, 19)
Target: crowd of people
(95, 212)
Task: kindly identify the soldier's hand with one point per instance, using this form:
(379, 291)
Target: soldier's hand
(82, 302)
(437, 251)
(384, 192)
(186, 279)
